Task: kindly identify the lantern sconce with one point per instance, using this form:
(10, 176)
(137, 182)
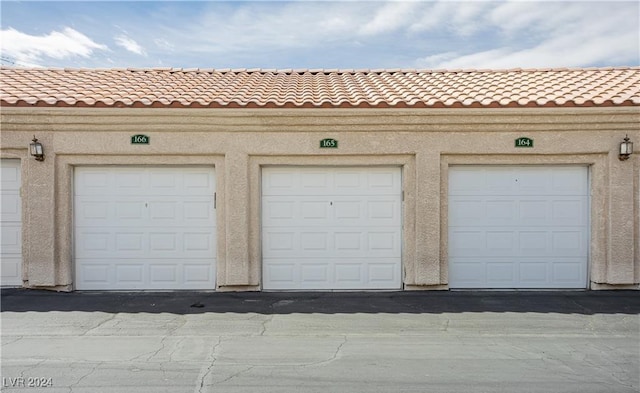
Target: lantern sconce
(36, 149)
(626, 148)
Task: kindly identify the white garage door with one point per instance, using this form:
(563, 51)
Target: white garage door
(518, 227)
(331, 228)
(145, 228)
(11, 224)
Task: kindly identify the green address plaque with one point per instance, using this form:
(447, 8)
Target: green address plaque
(524, 142)
(329, 143)
(139, 139)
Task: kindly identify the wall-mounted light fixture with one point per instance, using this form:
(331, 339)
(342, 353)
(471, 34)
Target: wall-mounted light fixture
(36, 149)
(626, 149)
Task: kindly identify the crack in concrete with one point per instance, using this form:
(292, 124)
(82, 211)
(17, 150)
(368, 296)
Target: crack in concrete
(11, 342)
(210, 361)
(180, 326)
(162, 346)
(99, 324)
(32, 367)
(237, 374)
(264, 325)
(176, 346)
(561, 368)
(331, 359)
(150, 354)
(612, 374)
(75, 384)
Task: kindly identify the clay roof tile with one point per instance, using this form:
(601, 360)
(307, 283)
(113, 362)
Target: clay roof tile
(319, 87)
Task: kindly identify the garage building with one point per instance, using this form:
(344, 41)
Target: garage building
(245, 180)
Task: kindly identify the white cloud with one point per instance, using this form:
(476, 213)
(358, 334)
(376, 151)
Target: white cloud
(164, 44)
(348, 34)
(553, 35)
(458, 18)
(130, 45)
(432, 62)
(390, 17)
(256, 27)
(63, 44)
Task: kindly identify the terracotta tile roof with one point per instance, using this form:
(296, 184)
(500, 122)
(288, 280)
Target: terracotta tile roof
(257, 88)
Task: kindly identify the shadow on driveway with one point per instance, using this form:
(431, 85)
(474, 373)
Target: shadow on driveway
(429, 302)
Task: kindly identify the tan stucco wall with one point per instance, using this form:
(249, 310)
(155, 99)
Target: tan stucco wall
(238, 142)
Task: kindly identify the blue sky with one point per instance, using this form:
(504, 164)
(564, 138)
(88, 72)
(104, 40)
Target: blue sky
(321, 34)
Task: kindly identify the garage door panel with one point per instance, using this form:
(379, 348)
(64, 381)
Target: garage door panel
(198, 275)
(131, 211)
(464, 210)
(314, 273)
(94, 274)
(525, 211)
(507, 215)
(135, 181)
(142, 227)
(465, 181)
(183, 243)
(570, 211)
(10, 174)
(534, 272)
(315, 210)
(349, 209)
(323, 228)
(198, 243)
(314, 241)
(303, 181)
(11, 207)
(89, 210)
(500, 272)
(384, 211)
(568, 272)
(349, 274)
(543, 241)
(465, 242)
(500, 242)
(357, 242)
(518, 180)
(93, 182)
(334, 210)
(281, 274)
(11, 238)
(122, 242)
(382, 273)
(533, 243)
(346, 241)
(145, 274)
(130, 275)
(11, 270)
(163, 273)
(468, 273)
(197, 210)
(321, 273)
(569, 181)
(569, 243)
(189, 212)
(10, 222)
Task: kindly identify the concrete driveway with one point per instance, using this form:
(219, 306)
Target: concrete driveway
(320, 342)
